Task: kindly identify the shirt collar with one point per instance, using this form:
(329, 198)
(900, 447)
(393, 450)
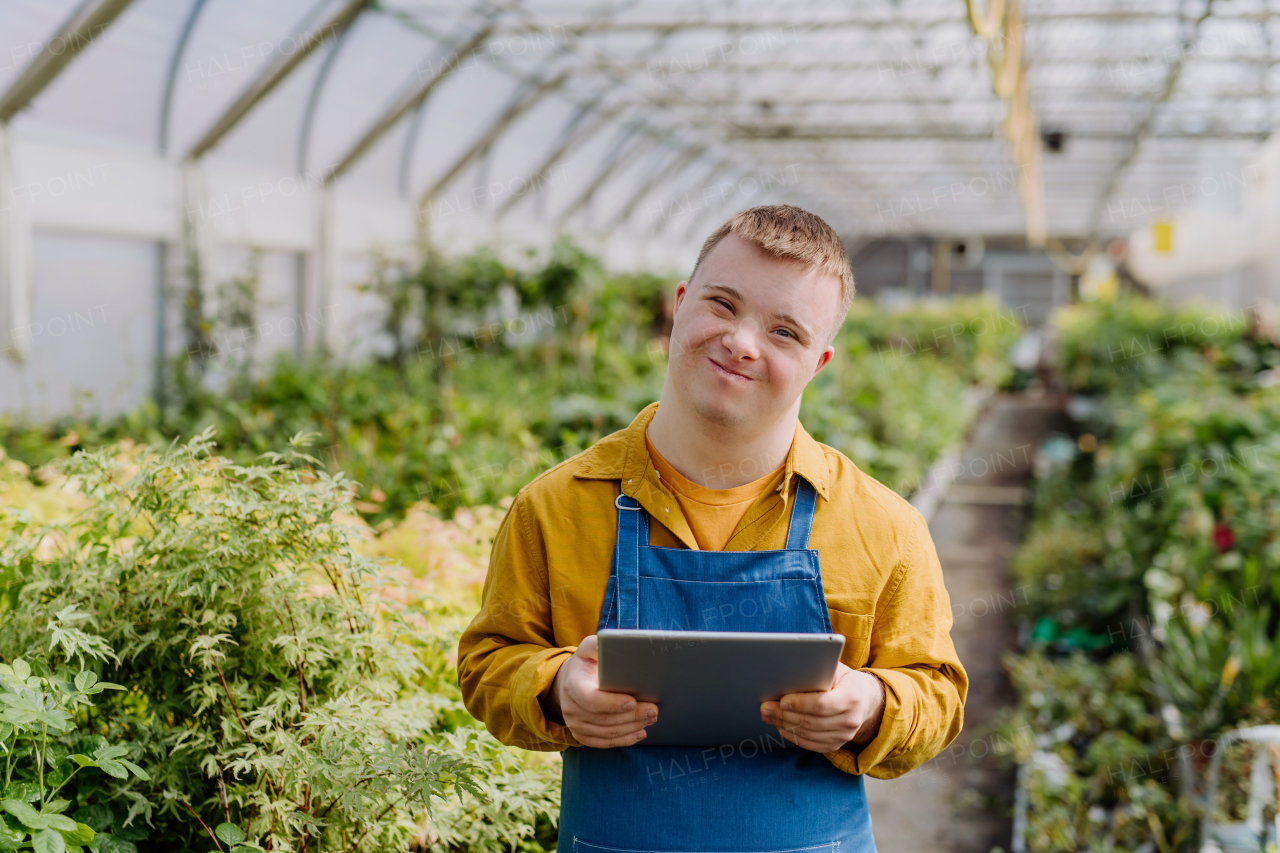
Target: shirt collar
(623, 456)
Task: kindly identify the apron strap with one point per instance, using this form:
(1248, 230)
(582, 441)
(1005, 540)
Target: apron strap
(633, 531)
(801, 523)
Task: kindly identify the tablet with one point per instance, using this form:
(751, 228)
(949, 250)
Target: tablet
(708, 685)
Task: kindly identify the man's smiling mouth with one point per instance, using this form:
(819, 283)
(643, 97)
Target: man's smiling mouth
(727, 372)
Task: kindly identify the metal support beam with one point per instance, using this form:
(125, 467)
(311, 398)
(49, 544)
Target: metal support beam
(1003, 29)
(84, 25)
(171, 77)
(621, 155)
(550, 28)
(677, 164)
(1145, 124)
(15, 260)
(710, 128)
(412, 98)
(318, 84)
(409, 100)
(328, 259)
(860, 133)
(523, 101)
(584, 125)
(715, 172)
(575, 133)
(274, 74)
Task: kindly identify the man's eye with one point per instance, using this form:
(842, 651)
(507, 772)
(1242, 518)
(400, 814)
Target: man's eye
(725, 303)
(786, 332)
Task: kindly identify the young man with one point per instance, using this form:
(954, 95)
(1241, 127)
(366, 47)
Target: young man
(699, 516)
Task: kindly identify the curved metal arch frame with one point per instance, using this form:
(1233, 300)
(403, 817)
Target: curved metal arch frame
(568, 141)
(408, 100)
(271, 77)
(521, 101)
(718, 169)
(621, 154)
(306, 128)
(576, 132)
(171, 77)
(654, 180)
(525, 97)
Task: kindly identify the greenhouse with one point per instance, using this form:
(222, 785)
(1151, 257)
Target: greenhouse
(409, 408)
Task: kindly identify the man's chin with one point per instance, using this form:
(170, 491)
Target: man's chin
(722, 413)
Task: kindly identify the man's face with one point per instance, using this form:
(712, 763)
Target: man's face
(749, 333)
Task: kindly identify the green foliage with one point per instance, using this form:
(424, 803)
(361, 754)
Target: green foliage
(1098, 770)
(901, 388)
(39, 717)
(467, 407)
(1157, 546)
(1071, 600)
(1134, 342)
(971, 336)
(278, 693)
(893, 416)
(265, 694)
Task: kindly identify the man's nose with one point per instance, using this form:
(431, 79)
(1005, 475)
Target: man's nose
(742, 339)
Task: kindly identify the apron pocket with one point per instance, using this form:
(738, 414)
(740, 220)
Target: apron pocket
(856, 628)
(580, 846)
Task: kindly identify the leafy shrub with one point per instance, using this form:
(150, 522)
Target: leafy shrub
(893, 417)
(1072, 602)
(1160, 545)
(1098, 773)
(461, 415)
(970, 336)
(263, 689)
(1134, 342)
(39, 713)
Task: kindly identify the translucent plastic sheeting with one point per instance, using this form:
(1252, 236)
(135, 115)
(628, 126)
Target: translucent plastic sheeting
(91, 340)
(881, 114)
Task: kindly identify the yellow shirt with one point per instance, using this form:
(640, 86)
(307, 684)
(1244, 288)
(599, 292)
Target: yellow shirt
(713, 514)
(883, 584)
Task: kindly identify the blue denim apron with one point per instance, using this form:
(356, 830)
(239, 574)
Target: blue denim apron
(750, 797)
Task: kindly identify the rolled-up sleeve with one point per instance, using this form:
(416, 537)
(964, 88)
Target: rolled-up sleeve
(912, 653)
(507, 657)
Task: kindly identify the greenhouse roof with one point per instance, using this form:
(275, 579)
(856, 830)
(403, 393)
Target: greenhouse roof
(916, 116)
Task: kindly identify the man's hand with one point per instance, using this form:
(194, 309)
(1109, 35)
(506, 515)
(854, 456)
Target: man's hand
(823, 722)
(597, 718)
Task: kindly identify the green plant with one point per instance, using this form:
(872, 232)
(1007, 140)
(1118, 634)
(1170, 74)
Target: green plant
(39, 720)
(1159, 542)
(267, 691)
(1098, 775)
(970, 336)
(1133, 343)
(466, 409)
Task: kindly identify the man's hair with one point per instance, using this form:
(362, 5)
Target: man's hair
(793, 234)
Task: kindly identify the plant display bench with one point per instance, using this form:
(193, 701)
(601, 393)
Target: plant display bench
(1251, 835)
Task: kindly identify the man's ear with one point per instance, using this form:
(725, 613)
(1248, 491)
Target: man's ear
(824, 360)
(682, 290)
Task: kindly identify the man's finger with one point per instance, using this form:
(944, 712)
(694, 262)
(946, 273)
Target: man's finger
(596, 701)
(606, 732)
(809, 722)
(602, 743)
(640, 713)
(818, 704)
(805, 742)
(587, 648)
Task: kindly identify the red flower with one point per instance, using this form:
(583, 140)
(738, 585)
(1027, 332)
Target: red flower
(1223, 539)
